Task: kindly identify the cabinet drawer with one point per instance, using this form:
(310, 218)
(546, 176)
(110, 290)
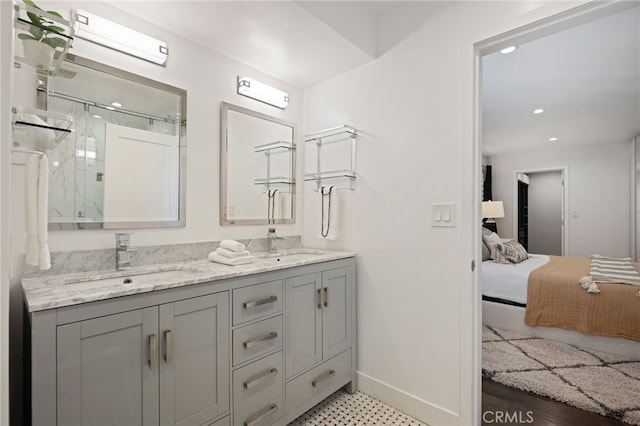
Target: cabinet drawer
(319, 382)
(253, 340)
(258, 389)
(257, 301)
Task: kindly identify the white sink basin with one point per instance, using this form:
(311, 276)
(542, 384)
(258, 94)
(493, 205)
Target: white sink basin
(134, 277)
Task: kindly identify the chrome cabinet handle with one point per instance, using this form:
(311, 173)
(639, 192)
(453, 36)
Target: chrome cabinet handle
(257, 420)
(168, 345)
(323, 378)
(266, 376)
(251, 343)
(319, 298)
(152, 343)
(249, 305)
(326, 296)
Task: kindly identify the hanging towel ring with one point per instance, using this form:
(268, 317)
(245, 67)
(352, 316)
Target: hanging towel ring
(322, 231)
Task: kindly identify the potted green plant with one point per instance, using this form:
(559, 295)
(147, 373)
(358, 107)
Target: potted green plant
(42, 39)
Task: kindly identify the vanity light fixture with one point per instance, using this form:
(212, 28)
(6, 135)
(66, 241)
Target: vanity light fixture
(115, 36)
(262, 92)
(538, 111)
(553, 139)
(508, 49)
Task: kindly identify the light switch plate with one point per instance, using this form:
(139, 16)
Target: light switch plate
(443, 215)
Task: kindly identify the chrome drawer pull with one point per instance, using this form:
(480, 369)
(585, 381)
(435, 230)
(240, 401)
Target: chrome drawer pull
(269, 374)
(152, 342)
(327, 376)
(257, 420)
(251, 343)
(249, 305)
(319, 299)
(168, 346)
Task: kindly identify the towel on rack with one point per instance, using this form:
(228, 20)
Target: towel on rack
(232, 245)
(232, 254)
(329, 213)
(36, 198)
(32, 135)
(215, 257)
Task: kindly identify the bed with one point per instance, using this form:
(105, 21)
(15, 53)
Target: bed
(541, 296)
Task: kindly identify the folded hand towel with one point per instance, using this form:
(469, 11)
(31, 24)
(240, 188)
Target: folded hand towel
(215, 257)
(232, 245)
(233, 254)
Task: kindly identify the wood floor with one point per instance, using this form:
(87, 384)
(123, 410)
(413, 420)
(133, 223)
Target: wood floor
(504, 405)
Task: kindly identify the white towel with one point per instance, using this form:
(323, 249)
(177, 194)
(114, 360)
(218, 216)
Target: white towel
(37, 194)
(232, 254)
(232, 245)
(329, 213)
(215, 257)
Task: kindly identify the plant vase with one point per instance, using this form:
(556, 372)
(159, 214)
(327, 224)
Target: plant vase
(38, 54)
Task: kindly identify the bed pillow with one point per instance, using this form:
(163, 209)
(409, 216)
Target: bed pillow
(491, 240)
(486, 253)
(509, 252)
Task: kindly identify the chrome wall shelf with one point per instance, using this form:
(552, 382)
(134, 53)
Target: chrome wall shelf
(283, 183)
(43, 39)
(39, 129)
(342, 178)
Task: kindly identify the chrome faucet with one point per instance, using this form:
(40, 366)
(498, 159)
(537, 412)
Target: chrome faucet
(271, 238)
(123, 250)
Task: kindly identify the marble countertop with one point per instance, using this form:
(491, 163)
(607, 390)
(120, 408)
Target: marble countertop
(55, 291)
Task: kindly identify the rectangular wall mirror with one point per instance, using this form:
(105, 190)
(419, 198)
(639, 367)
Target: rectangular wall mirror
(124, 163)
(257, 168)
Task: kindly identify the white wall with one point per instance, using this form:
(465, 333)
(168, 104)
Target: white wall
(209, 79)
(599, 192)
(414, 107)
(545, 213)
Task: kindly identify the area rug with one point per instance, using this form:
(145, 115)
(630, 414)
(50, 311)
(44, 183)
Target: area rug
(599, 382)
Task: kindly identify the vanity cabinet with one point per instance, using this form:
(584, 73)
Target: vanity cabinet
(319, 325)
(165, 364)
(255, 350)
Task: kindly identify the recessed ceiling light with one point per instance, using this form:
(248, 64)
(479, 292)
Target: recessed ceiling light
(110, 108)
(538, 111)
(553, 139)
(508, 49)
(96, 116)
(116, 104)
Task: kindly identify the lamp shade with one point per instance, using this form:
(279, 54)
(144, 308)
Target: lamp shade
(492, 209)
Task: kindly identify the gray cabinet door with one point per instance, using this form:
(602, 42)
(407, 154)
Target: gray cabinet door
(303, 323)
(104, 373)
(194, 360)
(337, 329)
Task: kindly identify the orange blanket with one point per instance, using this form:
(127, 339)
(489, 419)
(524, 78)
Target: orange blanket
(556, 299)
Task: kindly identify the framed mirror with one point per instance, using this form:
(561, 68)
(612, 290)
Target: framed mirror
(257, 168)
(124, 163)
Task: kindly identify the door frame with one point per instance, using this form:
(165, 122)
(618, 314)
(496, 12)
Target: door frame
(564, 175)
(571, 18)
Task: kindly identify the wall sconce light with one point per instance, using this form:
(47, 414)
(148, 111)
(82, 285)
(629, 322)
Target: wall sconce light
(115, 36)
(262, 92)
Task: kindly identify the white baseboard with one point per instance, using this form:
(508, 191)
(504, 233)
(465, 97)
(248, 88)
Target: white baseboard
(400, 400)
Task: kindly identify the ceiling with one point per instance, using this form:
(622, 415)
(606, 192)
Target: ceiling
(299, 42)
(587, 79)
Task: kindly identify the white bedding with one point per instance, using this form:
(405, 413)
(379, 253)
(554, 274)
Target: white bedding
(508, 281)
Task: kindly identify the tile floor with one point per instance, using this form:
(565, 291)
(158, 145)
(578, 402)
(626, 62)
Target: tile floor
(342, 408)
